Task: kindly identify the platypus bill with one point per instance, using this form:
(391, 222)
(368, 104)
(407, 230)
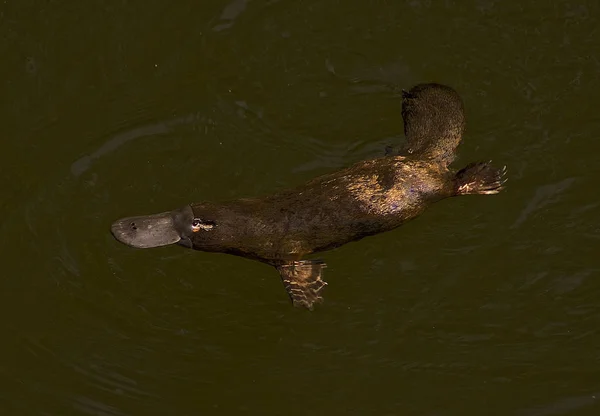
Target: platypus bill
(369, 197)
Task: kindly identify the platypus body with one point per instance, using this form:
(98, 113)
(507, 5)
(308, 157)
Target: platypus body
(369, 197)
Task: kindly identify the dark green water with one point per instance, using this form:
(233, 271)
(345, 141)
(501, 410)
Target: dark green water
(482, 306)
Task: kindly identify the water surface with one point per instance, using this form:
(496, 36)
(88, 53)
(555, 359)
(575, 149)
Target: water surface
(483, 305)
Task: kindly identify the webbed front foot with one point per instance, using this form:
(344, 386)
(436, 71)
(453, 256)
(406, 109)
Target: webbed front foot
(302, 280)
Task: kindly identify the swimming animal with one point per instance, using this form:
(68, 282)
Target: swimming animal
(369, 197)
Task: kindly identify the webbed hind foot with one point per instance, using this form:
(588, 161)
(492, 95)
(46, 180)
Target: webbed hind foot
(480, 178)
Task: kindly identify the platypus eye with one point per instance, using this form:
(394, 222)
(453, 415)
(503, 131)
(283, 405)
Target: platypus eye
(198, 224)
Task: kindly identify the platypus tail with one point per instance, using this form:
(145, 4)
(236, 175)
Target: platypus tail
(480, 178)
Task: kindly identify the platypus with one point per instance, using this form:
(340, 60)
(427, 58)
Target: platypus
(367, 198)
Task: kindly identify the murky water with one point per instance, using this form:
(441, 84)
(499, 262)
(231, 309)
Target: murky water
(483, 305)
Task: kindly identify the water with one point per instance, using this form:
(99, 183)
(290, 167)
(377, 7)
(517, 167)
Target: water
(483, 305)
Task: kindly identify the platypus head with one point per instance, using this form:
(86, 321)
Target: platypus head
(173, 227)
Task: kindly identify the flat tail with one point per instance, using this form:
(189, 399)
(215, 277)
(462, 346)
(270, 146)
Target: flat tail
(302, 281)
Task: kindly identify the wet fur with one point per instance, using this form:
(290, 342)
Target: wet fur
(370, 197)
(367, 198)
